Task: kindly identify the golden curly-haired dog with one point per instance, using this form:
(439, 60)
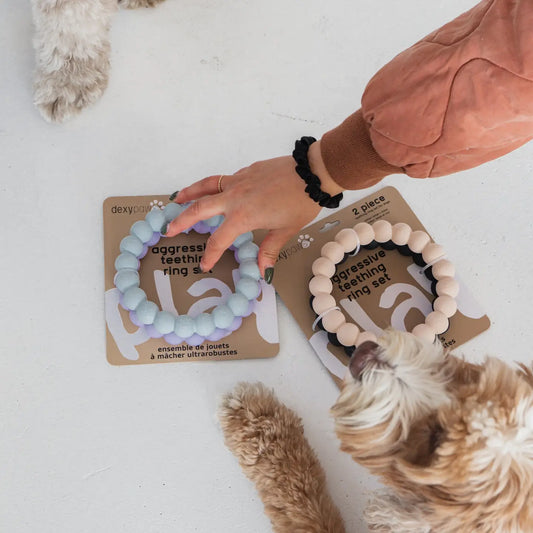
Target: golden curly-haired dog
(453, 441)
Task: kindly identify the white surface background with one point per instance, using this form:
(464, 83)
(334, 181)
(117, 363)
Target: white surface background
(197, 87)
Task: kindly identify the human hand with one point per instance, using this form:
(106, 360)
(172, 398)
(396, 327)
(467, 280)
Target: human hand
(266, 195)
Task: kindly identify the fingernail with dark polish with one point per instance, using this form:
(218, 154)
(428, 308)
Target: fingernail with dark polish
(172, 197)
(269, 274)
(164, 229)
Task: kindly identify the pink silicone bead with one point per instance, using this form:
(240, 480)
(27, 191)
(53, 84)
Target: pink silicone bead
(333, 251)
(323, 267)
(347, 334)
(431, 252)
(401, 233)
(437, 321)
(320, 284)
(446, 305)
(417, 241)
(364, 232)
(447, 286)
(443, 269)
(333, 320)
(322, 303)
(348, 239)
(382, 231)
(424, 332)
(365, 336)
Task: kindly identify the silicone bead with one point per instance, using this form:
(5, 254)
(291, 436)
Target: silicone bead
(184, 326)
(172, 210)
(320, 284)
(223, 316)
(125, 279)
(446, 305)
(146, 312)
(142, 230)
(347, 334)
(431, 252)
(333, 320)
(365, 336)
(248, 288)
(447, 286)
(364, 232)
(248, 268)
(248, 250)
(156, 219)
(443, 269)
(126, 260)
(164, 322)
(323, 267)
(241, 239)
(238, 304)
(132, 244)
(322, 303)
(382, 231)
(333, 251)
(204, 324)
(401, 233)
(133, 297)
(424, 332)
(348, 239)
(215, 221)
(417, 241)
(437, 321)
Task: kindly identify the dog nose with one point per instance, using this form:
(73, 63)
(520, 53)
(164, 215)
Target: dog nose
(361, 356)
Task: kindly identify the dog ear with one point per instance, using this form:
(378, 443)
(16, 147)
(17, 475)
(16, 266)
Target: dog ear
(388, 513)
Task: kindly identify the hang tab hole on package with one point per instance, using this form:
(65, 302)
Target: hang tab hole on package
(329, 226)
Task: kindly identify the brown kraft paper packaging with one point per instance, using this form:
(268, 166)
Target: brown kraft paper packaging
(171, 277)
(376, 289)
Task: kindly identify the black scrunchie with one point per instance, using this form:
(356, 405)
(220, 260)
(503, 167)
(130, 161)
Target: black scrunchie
(313, 189)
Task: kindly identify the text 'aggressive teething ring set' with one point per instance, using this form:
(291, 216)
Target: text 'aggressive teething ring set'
(428, 255)
(223, 320)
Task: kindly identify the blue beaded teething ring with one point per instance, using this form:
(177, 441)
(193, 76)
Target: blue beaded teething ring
(223, 320)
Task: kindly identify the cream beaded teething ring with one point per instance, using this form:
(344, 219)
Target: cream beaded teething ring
(348, 241)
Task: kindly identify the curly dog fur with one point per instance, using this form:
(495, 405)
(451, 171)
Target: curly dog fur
(453, 441)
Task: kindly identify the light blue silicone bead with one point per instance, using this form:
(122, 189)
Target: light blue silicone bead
(238, 304)
(248, 288)
(248, 268)
(142, 230)
(215, 221)
(133, 297)
(132, 244)
(223, 316)
(241, 239)
(156, 219)
(125, 279)
(248, 250)
(146, 312)
(164, 322)
(184, 326)
(204, 324)
(126, 260)
(172, 210)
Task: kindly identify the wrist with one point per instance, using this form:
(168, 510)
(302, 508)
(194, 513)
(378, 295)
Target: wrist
(318, 167)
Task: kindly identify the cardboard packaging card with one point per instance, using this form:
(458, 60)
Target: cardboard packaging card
(171, 277)
(375, 289)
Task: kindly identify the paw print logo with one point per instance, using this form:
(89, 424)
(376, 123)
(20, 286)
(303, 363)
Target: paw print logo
(305, 240)
(156, 204)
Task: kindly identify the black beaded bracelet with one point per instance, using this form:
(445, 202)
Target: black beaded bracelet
(301, 148)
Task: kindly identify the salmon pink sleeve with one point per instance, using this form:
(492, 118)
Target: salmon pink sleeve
(456, 99)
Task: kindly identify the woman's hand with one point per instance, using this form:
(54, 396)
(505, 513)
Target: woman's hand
(266, 195)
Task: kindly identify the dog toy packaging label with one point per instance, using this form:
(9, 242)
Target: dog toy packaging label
(160, 307)
(377, 287)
